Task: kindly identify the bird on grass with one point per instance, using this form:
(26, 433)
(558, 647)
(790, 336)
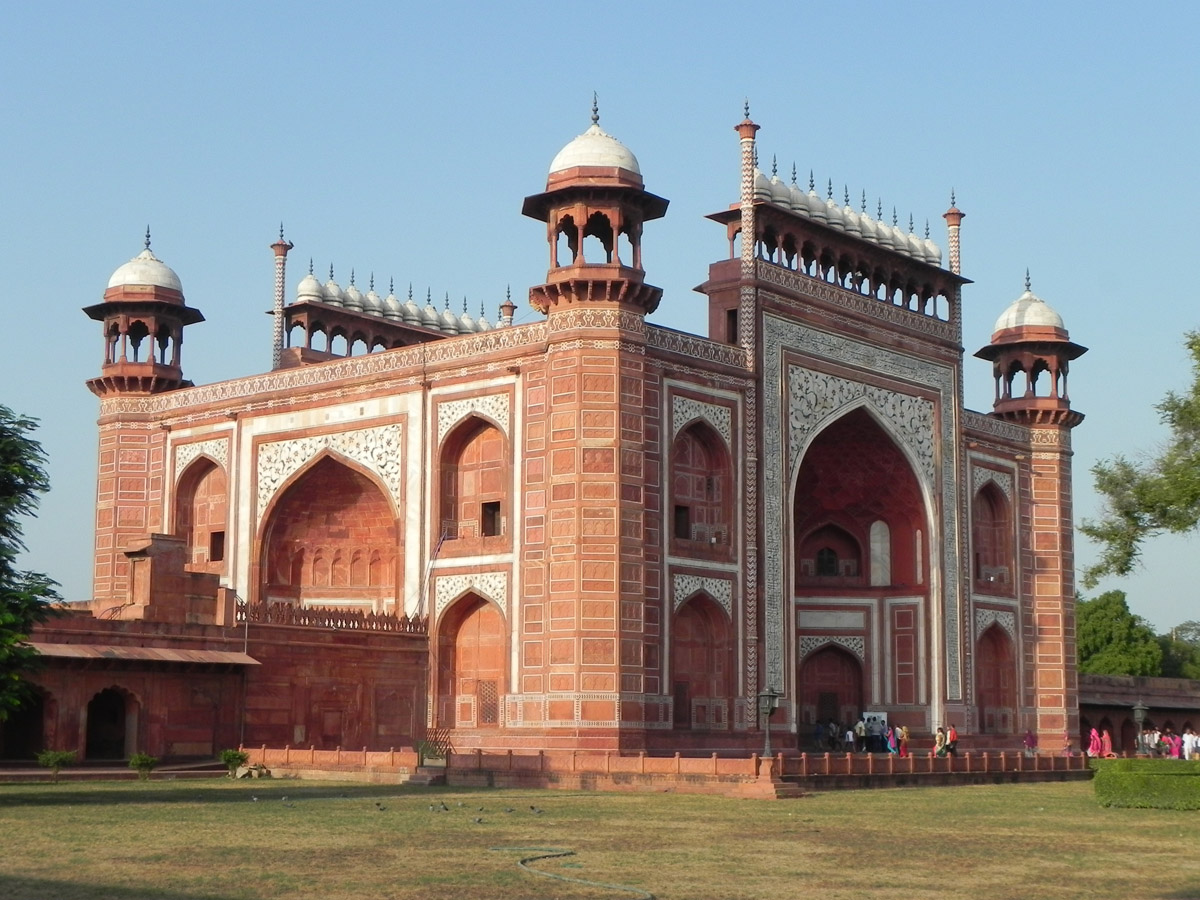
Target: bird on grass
(290, 805)
(445, 808)
(255, 799)
(508, 809)
(478, 820)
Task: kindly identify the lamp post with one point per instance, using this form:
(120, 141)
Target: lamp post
(768, 701)
(1139, 719)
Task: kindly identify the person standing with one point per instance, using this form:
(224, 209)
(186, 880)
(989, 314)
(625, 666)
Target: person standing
(860, 735)
(939, 742)
(1030, 742)
(903, 741)
(952, 741)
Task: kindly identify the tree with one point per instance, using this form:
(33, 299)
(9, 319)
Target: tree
(1181, 650)
(1110, 640)
(1148, 498)
(25, 597)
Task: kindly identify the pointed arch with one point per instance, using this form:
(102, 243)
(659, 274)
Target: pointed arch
(829, 686)
(996, 681)
(701, 486)
(992, 561)
(201, 513)
(471, 647)
(473, 477)
(328, 514)
(857, 478)
(701, 663)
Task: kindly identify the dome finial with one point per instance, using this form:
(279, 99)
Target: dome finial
(895, 218)
(774, 167)
(371, 282)
(147, 237)
(952, 202)
(746, 107)
(864, 202)
(331, 271)
(846, 194)
(281, 231)
(793, 174)
(879, 208)
(829, 190)
(352, 277)
(812, 183)
(595, 109)
(910, 223)
(1028, 283)
(310, 266)
(926, 229)
(392, 284)
(464, 304)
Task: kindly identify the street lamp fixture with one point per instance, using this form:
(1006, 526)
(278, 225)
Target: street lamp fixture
(1139, 719)
(768, 702)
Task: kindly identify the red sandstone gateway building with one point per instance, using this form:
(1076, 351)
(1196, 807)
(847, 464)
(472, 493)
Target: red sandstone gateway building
(588, 531)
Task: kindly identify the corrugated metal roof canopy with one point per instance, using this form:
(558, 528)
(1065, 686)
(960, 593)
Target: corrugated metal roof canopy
(142, 654)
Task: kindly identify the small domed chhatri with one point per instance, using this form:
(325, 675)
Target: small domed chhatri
(1028, 311)
(595, 148)
(146, 270)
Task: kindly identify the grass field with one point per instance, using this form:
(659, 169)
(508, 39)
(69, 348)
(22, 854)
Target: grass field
(188, 840)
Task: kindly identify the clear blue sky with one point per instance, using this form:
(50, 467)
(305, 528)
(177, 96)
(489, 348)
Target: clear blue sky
(400, 139)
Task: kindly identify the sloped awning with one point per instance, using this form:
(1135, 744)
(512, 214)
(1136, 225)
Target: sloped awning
(142, 654)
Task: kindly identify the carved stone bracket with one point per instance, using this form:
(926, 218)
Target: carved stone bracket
(685, 586)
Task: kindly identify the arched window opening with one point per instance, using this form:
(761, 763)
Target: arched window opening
(113, 340)
(701, 665)
(701, 481)
(162, 345)
(627, 250)
(339, 345)
(474, 496)
(137, 333)
(200, 515)
(296, 333)
(831, 553)
(598, 239)
(566, 242)
(992, 541)
(470, 663)
(359, 347)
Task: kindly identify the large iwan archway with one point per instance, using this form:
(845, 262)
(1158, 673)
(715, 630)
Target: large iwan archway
(331, 540)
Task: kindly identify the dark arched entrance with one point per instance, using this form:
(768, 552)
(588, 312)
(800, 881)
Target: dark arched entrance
(831, 687)
(23, 733)
(109, 721)
(996, 682)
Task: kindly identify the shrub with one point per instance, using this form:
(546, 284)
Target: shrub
(55, 760)
(234, 760)
(144, 763)
(1148, 783)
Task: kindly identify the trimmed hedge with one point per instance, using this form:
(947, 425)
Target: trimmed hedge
(1147, 783)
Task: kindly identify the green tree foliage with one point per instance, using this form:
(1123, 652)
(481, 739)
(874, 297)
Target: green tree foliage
(1157, 495)
(1111, 640)
(25, 597)
(1181, 651)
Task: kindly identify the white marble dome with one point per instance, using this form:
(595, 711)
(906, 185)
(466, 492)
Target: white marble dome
(595, 147)
(1029, 311)
(146, 269)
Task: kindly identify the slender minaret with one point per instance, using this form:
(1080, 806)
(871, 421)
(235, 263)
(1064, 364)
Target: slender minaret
(281, 248)
(954, 217)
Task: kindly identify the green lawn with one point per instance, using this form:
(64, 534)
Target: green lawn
(187, 840)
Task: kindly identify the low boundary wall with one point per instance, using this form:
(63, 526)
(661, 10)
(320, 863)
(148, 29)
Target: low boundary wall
(752, 776)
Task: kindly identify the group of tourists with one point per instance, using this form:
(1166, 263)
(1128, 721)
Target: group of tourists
(1168, 744)
(870, 734)
(945, 741)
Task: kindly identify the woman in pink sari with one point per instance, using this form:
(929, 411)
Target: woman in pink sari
(1093, 748)
(1106, 750)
